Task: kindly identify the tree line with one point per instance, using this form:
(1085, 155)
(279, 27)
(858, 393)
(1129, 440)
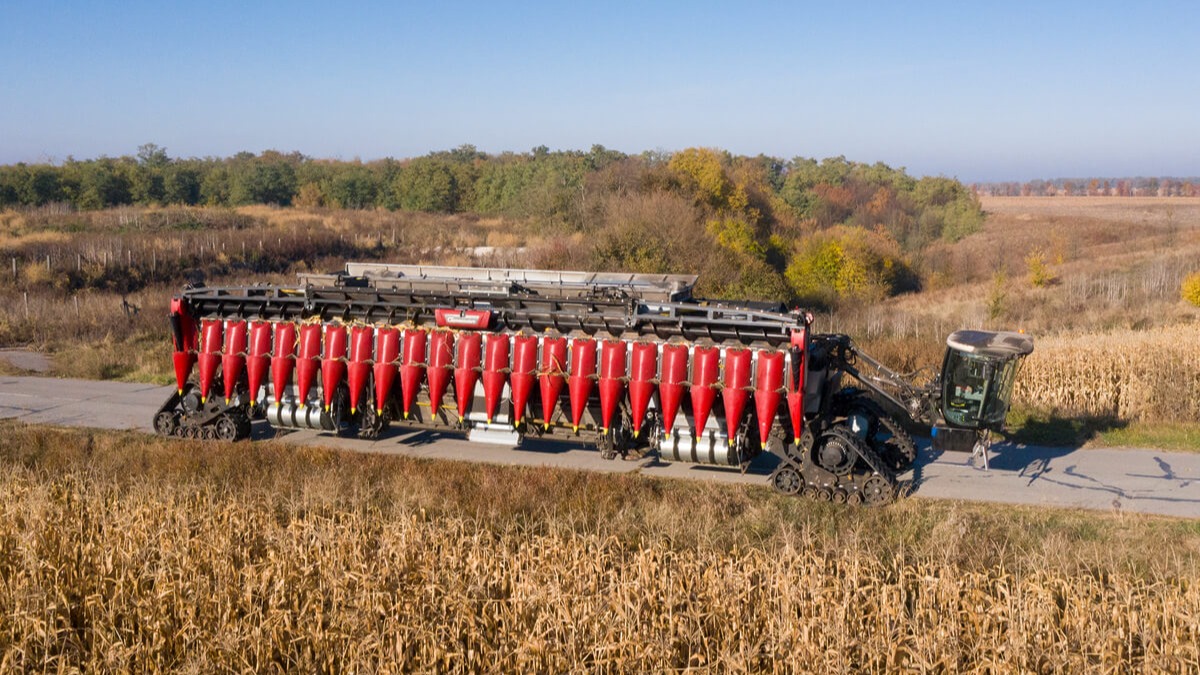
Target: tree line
(820, 231)
(1140, 186)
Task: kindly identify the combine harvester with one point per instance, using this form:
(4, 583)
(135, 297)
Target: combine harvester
(630, 362)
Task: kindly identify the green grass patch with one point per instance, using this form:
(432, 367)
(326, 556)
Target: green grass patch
(1182, 437)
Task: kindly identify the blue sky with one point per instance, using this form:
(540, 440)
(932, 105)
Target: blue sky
(974, 90)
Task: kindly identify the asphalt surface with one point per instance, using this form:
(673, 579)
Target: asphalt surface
(1137, 480)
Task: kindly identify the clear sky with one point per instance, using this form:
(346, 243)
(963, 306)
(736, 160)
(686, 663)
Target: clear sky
(975, 90)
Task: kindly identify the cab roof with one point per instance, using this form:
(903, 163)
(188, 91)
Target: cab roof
(1002, 344)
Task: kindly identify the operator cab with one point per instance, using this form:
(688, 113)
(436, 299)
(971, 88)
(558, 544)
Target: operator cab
(977, 377)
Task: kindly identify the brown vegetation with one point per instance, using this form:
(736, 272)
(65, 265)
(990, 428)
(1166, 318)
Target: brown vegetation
(1054, 267)
(121, 552)
(1123, 375)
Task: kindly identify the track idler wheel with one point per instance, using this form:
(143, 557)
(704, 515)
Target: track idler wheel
(166, 423)
(877, 491)
(787, 480)
(226, 429)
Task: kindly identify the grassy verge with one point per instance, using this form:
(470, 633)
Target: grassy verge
(1182, 437)
(144, 356)
(127, 552)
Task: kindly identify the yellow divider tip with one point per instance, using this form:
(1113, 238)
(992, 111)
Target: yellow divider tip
(379, 411)
(635, 433)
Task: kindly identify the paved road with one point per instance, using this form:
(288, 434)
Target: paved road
(1148, 481)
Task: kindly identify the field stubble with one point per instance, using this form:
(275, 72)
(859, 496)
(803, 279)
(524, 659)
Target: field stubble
(123, 553)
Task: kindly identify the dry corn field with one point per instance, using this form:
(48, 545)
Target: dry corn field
(1128, 375)
(120, 553)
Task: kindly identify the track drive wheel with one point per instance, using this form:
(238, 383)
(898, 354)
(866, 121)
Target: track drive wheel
(838, 450)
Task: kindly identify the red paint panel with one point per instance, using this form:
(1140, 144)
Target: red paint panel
(333, 363)
(706, 366)
(642, 369)
(795, 391)
(612, 382)
(495, 372)
(463, 319)
(768, 383)
(284, 361)
(387, 352)
(412, 367)
(183, 338)
(579, 383)
(233, 361)
(308, 360)
(211, 336)
(441, 365)
(737, 386)
(258, 359)
(466, 370)
(670, 386)
(359, 366)
(524, 369)
(552, 375)
(183, 362)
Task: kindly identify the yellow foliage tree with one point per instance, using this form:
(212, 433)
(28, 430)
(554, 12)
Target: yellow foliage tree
(701, 171)
(1190, 290)
(737, 235)
(1040, 274)
(847, 263)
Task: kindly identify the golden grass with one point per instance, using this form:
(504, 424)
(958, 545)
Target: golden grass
(124, 553)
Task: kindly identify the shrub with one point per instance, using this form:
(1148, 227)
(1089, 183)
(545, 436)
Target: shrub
(1190, 289)
(1040, 274)
(845, 263)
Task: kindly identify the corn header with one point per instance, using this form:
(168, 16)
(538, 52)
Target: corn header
(631, 363)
